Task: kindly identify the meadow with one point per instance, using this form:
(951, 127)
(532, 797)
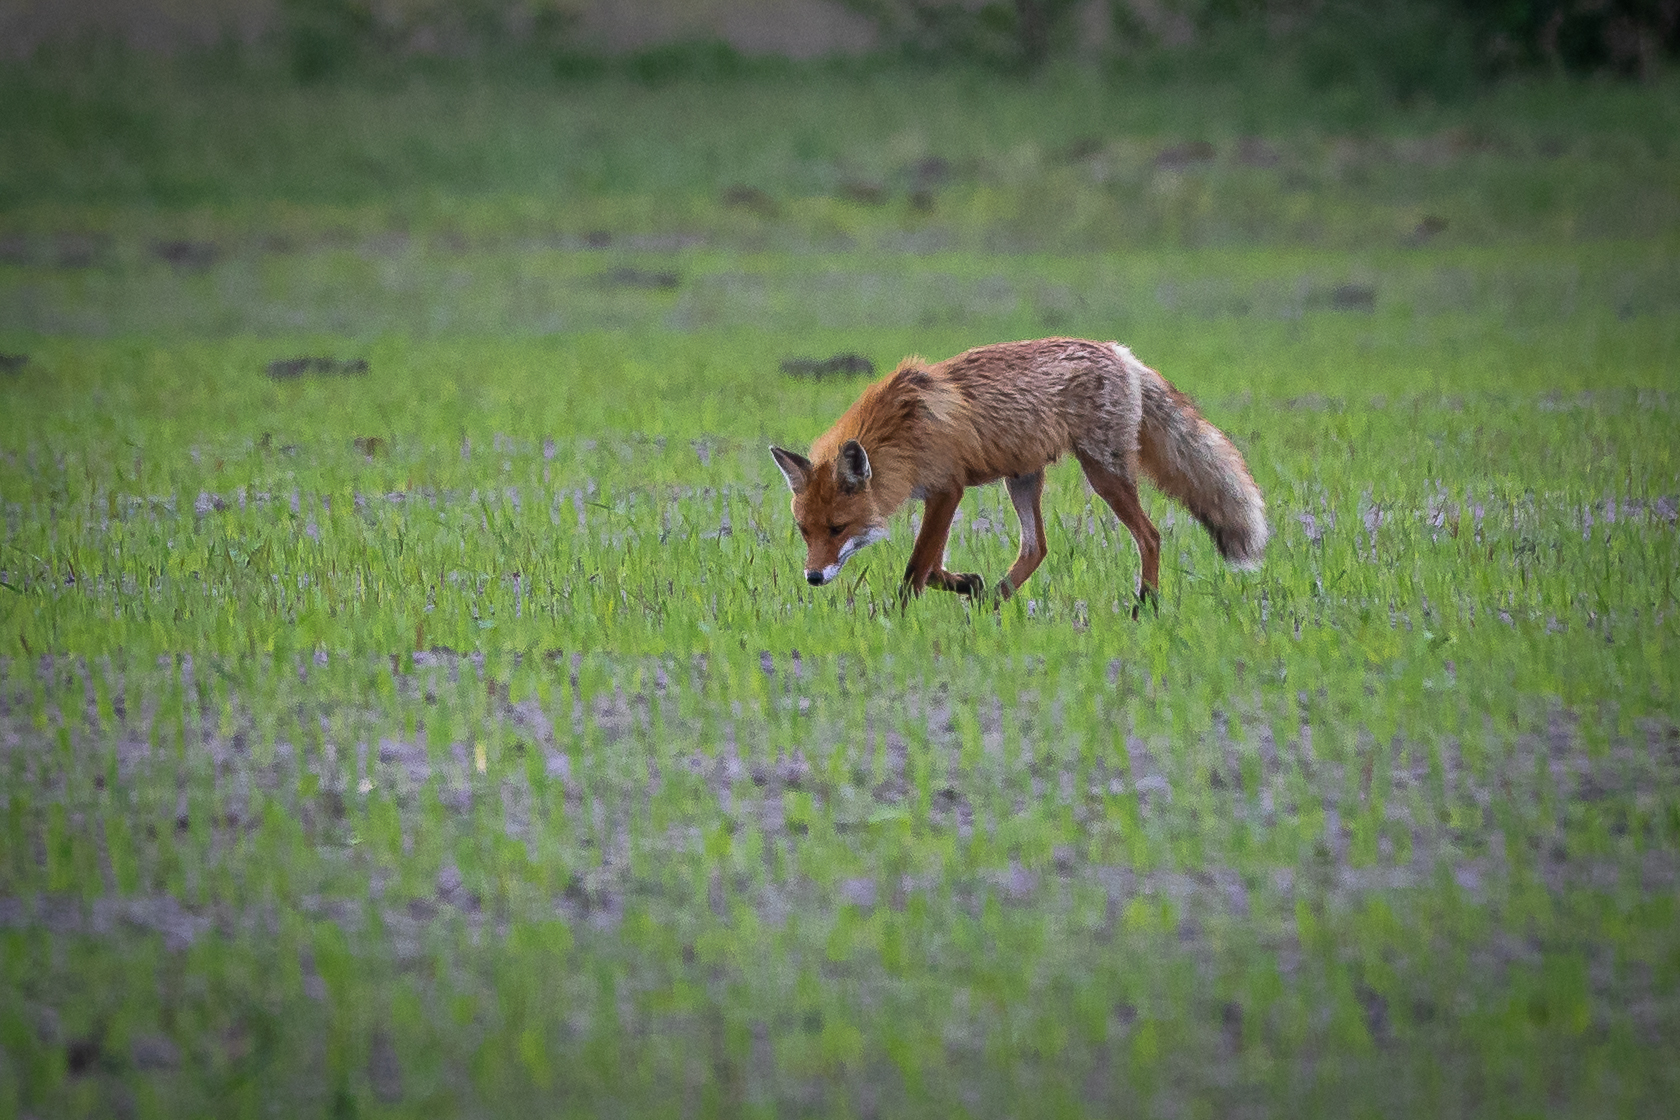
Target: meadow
(443, 726)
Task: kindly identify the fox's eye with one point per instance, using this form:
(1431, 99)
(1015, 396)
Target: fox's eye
(835, 530)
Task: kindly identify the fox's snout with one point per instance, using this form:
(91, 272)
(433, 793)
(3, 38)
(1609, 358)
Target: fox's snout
(816, 577)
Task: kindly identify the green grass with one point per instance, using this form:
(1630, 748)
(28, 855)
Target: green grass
(461, 739)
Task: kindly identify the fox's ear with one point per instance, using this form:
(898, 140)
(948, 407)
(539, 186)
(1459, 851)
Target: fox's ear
(852, 467)
(795, 468)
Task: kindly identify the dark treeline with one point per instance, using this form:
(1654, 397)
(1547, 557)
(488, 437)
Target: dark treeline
(1400, 49)
(1412, 45)
(1482, 36)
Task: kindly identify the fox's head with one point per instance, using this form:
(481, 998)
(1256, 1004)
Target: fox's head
(833, 507)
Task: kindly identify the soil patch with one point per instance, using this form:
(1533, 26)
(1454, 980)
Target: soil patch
(840, 365)
(651, 280)
(290, 369)
(187, 256)
(752, 199)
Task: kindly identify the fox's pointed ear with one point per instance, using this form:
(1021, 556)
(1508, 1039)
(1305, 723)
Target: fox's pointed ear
(795, 468)
(851, 469)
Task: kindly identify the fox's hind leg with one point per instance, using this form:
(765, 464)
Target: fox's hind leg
(1120, 492)
(1025, 490)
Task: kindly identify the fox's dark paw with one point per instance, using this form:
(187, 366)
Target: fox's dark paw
(1003, 590)
(1148, 597)
(968, 583)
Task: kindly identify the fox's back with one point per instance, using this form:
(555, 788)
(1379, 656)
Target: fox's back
(1046, 374)
(1028, 403)
(993, 412)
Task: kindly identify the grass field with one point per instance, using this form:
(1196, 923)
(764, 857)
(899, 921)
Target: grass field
(455, 735)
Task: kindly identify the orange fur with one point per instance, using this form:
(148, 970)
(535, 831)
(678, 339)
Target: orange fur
(1006, 412)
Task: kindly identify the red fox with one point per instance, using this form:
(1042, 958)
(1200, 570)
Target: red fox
(1007, 411)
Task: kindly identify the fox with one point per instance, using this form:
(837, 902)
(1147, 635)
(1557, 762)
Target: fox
(929, 431)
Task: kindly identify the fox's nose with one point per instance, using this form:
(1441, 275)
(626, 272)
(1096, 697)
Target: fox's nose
(814, 578)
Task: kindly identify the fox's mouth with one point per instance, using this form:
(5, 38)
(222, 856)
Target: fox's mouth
(816, 577)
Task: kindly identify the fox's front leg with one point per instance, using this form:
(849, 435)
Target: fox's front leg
(927, 558)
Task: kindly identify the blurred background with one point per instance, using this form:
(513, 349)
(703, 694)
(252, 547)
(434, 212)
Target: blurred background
(366, 167)
(1411, 43)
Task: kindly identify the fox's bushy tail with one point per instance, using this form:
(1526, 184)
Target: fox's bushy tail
(1193, 462)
